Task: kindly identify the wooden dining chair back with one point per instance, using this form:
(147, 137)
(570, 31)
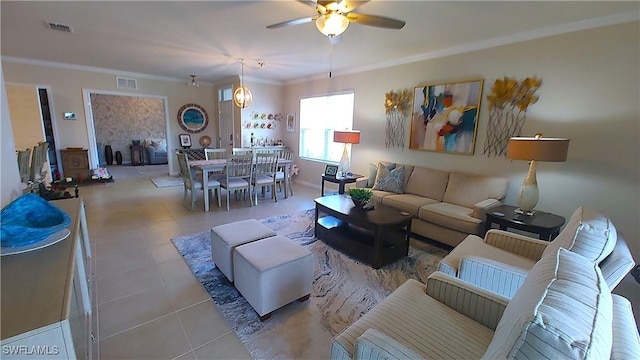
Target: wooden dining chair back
(192, 182)
(215, 154)
(38, 158)
(282, 175)
(238, 174)
(212, 154)
(242, 151)
(265, 169)
(23, 164)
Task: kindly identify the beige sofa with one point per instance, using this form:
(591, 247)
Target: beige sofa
(563, 310)
(447, 206)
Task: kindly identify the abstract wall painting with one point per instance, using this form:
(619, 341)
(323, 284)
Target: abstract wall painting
(445, 116)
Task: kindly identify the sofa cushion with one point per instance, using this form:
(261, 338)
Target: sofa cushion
(378, 195)
(563, 310)
(588, 233)
(468, 189)
(427, 182)
(451, 216)
(475, 246)
(421, 323)
(391, 181)
(373, 170)
(407, 202)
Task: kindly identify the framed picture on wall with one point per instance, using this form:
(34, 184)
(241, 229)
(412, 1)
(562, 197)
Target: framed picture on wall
(193, 118)
(445, 116)
(185, 140)
(291, 122)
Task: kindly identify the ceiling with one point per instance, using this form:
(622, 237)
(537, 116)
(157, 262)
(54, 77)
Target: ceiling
(173, 39)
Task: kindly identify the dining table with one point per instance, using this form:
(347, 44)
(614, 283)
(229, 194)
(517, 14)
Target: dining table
(215, 165)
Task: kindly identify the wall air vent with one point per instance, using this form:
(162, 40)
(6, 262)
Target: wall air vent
(59, 27)
(126, 83)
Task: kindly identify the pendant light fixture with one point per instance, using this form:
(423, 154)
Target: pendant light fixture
(193, 81)
(242, 97)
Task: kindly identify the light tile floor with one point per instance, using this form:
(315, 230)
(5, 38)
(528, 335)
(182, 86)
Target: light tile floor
(149, 304)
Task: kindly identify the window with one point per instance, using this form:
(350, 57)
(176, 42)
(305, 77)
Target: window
(319, 116)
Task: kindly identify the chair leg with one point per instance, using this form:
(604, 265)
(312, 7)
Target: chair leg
(218, 194)
(193, 199)
(228, 194)
(184, 197)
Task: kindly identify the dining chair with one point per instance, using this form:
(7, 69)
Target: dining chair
(242, 151)
(286, 154)
(192, 182)
(265, 169)
(38, 158)
(215, 154)
(23, 164)
(238, 174)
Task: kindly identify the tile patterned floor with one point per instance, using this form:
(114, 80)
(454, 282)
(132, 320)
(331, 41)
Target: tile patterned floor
(149, 304)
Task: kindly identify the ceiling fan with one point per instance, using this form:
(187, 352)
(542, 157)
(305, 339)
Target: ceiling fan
(334, 17)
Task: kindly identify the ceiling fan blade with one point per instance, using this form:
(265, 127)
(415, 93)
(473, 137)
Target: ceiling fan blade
(377, 21)
(318, 5)
(346, 6)
(300, 21)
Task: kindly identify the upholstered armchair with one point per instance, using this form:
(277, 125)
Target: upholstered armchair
(156, 151)
(501, 260)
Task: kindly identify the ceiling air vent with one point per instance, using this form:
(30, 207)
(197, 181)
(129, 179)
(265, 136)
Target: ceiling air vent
(60, 27)
(126, 83)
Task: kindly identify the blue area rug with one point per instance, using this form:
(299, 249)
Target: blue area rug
(343, 290)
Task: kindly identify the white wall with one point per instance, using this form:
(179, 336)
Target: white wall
(9, 176)
(589, 94)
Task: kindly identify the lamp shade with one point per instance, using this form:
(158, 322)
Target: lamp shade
(347, 136)
(538, 148)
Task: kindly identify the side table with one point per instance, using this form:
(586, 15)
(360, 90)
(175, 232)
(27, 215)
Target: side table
(137, 155)
(341, 181)
(546, 225)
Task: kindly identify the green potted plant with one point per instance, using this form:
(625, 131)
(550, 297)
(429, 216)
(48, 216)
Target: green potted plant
(360, 196)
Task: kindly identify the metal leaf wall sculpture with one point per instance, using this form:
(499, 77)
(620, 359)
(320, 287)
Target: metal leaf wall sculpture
(508, 103)
(397, 106)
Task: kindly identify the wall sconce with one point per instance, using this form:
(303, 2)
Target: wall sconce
(534, 149)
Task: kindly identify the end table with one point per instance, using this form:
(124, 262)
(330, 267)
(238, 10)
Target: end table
(546, 225)
(340, 180)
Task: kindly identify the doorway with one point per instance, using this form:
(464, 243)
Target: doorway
(123, 118)
(49, 132)
(225, 120)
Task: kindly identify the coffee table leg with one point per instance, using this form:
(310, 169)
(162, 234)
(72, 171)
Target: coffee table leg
(315, 224)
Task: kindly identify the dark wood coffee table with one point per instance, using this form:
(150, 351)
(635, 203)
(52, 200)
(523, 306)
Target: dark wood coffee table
(376, 237)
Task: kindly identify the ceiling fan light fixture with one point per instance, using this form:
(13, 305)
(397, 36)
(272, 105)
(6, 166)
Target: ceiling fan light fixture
(242, 96)
(332, 24)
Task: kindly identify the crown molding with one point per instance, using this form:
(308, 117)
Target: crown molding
(94, 69)
(615, 19)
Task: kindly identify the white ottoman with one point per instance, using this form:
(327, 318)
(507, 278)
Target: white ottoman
(224, 238)
(272, 272)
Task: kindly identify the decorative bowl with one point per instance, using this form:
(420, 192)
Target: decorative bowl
(29, 219)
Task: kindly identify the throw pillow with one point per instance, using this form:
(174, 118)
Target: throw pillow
(159, 145)
(390, 181)
(373, 170)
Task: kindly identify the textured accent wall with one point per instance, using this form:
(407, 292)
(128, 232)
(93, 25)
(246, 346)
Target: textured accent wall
(120, 119)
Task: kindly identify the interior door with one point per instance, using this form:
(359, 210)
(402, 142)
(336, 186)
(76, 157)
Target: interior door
(226, 124)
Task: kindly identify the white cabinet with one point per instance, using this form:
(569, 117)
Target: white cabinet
(46, 296)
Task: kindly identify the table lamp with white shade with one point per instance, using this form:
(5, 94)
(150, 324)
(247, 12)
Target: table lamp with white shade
(347, 137)
(535, 149)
